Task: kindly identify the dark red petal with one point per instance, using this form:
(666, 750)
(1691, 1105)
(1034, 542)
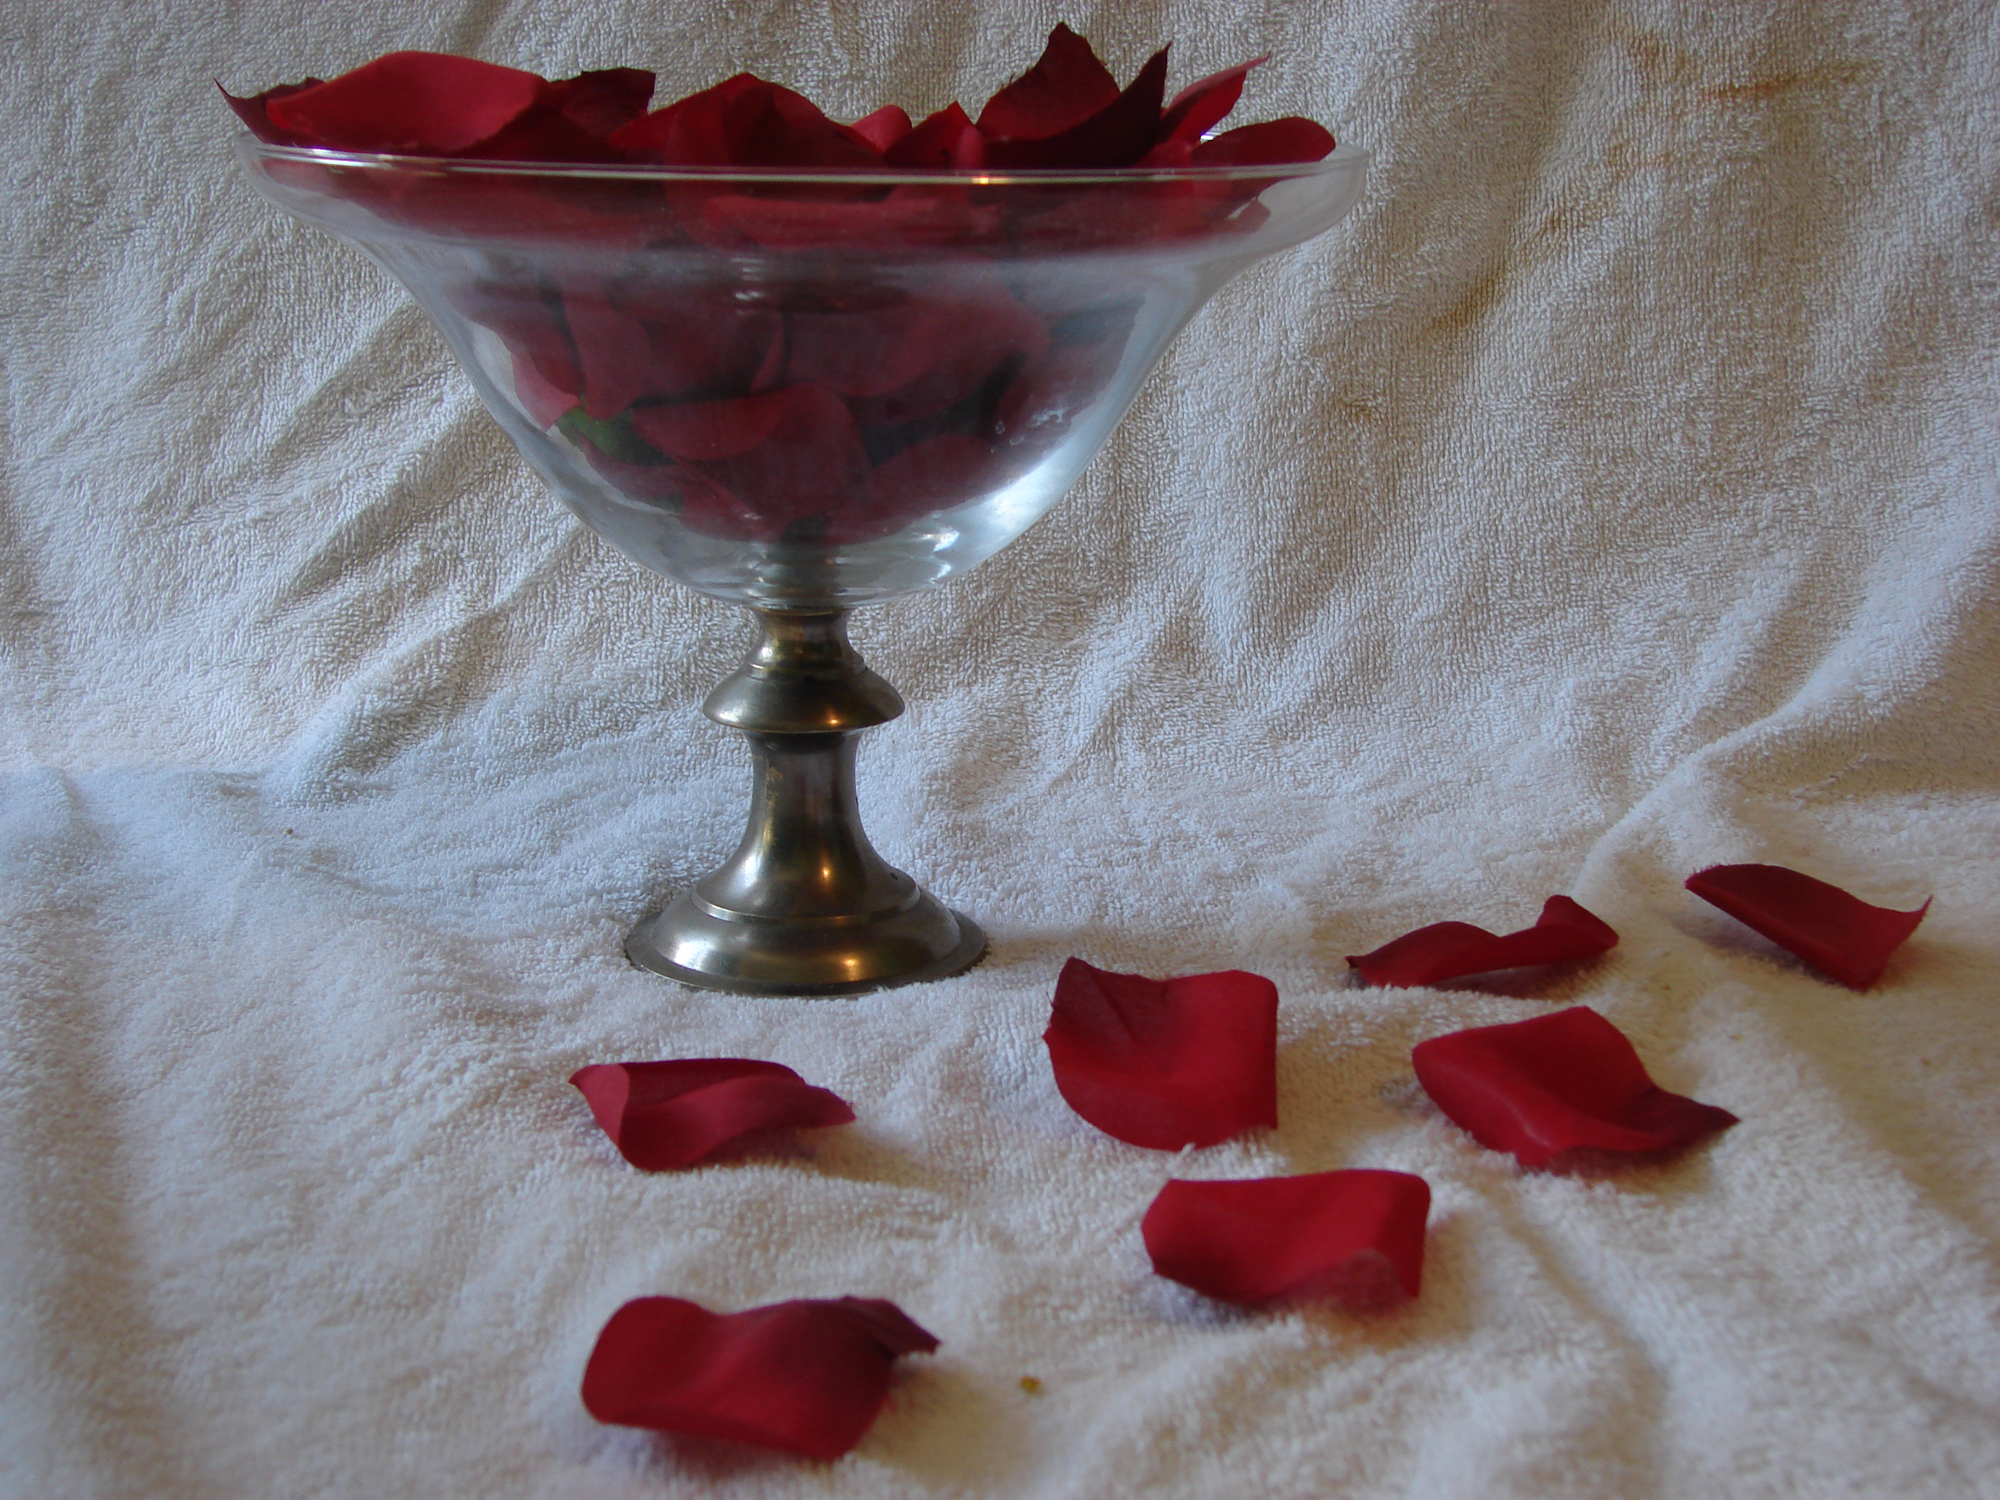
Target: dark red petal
(1273, 143)
(812, 463)
(1064, 88)
(689, 132)
(946, 141)
(660, 342)
(423, 103)
(1199, 106)
(1557, 1083)
(769, 126)
(1166, 1063)
(805, 1377)
(662, 1115)
(253, 112)
(884, 128)
(1115, 136)
(914, 358)
(1564, 933)
(1840, 935)
(602, 101)
(709, 430)
(1354, 1237)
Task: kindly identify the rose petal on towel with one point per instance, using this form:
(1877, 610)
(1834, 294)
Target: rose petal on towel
(1166, 1063)
(1839, 934)
(1564, 933)
(1353, 1237)
(1557, 1083)
(423, 103)
(805, 1377)
(662, 1115)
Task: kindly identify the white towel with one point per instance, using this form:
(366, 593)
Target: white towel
(1612, 495)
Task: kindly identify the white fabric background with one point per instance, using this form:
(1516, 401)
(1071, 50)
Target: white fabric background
(1613, 494)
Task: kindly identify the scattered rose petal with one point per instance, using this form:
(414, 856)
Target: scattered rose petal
(1554, 1084)
(805, 1377)
(662, 1115)
(1841, 935)
(1564, 933)
(1354, 1237)
(1166, 1063)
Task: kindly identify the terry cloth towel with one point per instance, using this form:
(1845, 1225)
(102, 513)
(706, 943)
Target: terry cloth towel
(1612, 495)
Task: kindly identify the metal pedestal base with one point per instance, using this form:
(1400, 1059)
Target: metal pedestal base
(805, 906)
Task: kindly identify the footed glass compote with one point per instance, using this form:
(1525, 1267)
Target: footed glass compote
(801, 392)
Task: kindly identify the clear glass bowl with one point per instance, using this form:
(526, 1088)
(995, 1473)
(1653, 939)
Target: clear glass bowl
(804, 390)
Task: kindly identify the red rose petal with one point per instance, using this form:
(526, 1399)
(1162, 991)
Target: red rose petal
(805, 1377)
(771, 126)
(1840, 935)
(1271, 144)
(930, 353)
(1064, 88)
(1203, 103)
(255, 114)
(884, 128)
(946, 141)
(811, 463)
(1115, 136)
(689, 132)
(711, 430)
(1564, 933)
(663, 342)
(662, 1115)
(1354, 1237)
(603, 101)
(1166, 1063)
(425, 103)
(1557, 1083)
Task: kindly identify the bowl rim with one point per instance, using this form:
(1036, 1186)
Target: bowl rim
(1341, 160)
